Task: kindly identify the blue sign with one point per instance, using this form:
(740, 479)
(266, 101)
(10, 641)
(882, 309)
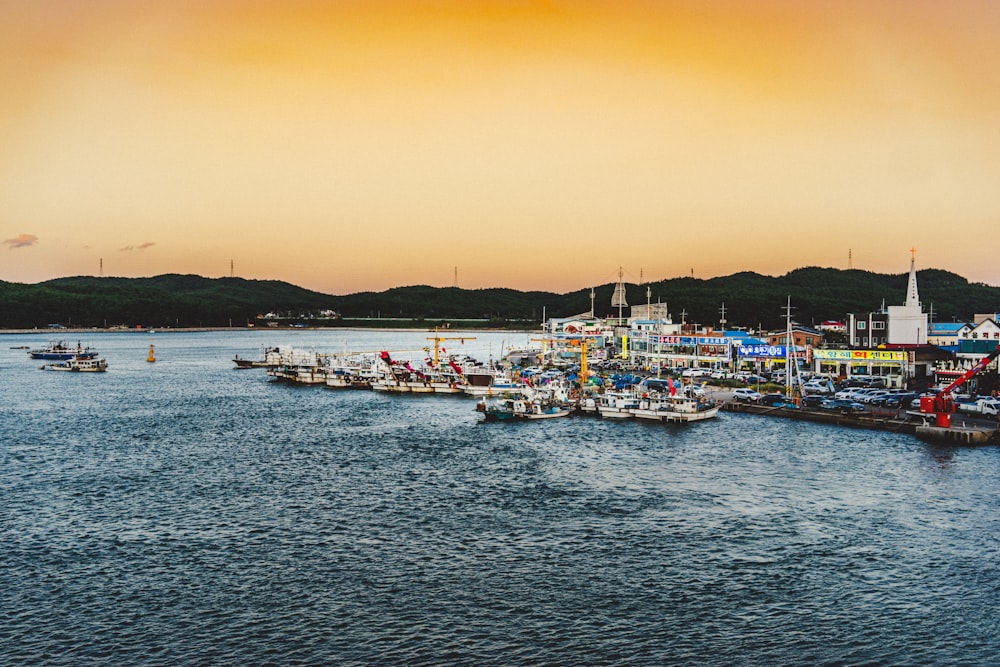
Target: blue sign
(763, 351)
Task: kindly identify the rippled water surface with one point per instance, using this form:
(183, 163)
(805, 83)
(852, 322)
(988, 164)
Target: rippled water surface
(184, 512)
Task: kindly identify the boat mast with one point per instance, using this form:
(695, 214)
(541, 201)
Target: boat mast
(788, 347)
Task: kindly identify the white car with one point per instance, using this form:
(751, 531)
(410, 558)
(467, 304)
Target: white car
(746, 395)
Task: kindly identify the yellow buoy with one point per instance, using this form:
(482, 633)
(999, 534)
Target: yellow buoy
(151, 357)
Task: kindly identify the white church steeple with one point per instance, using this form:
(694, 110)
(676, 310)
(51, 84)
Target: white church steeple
(912, 297)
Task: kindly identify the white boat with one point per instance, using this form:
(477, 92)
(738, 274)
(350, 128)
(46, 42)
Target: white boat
(486, 382)
(298, 366)
(617, 404)
(78, 365)
(678, 409)
(538, 411)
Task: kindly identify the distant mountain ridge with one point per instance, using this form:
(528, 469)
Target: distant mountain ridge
(750, 299)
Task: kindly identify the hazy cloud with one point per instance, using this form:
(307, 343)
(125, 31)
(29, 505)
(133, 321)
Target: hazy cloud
(21, 241)
(141, 246)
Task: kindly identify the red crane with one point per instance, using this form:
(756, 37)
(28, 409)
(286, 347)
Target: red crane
(942, 405)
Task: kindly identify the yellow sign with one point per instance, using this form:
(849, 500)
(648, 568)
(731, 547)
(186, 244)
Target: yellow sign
(859, 355)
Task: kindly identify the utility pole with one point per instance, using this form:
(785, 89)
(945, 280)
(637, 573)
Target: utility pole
(788, 347)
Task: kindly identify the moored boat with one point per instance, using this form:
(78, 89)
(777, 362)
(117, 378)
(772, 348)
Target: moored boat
(617, 404)
(677, 408)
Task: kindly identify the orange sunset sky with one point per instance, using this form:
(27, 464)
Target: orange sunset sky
(349, 146)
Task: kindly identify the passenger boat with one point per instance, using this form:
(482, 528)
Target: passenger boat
(59, 350)
(78, 365)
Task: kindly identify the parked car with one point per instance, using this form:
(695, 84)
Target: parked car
(746, 395)
(873, 397)
(772, 399)
(813, 401)
(900, 400)
(844, 406)
(695, 390)
(818, 387)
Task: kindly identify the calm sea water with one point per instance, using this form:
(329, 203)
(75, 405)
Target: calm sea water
(184, 512)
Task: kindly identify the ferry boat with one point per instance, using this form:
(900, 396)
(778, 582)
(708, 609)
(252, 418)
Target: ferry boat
(59, 350)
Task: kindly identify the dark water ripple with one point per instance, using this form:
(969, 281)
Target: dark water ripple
(186, 513)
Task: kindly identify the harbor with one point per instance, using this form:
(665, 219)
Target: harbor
(156, 495)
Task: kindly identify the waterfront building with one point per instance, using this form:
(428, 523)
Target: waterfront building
(947, 334)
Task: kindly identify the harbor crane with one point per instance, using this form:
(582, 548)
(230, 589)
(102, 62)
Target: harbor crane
(437, 342)
(942, 405)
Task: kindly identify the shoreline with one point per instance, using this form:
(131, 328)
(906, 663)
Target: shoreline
(57, 333)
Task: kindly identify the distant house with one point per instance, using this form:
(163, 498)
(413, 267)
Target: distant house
(801, 337)
(947, 334)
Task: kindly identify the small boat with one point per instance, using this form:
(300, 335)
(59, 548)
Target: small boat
(59, 350)
(545, 412)
(78, 365)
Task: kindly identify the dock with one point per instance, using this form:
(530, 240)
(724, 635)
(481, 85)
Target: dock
(957, 435)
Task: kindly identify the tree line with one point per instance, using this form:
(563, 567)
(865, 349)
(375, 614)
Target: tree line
(750, 299)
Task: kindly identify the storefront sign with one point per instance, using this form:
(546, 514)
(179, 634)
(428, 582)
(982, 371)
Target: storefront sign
(769, 351)
(859, 355)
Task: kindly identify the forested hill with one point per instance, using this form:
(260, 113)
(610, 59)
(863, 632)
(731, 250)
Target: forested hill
(750, 299)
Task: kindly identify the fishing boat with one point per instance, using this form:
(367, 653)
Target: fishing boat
(59, 350)
(78, 365)
(617, 404)
(482, 381)
(271, 357)
(520, 405)
(676, 408)
(298, 367)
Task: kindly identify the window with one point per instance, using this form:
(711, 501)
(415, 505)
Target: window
(862, 326)
(878, 325)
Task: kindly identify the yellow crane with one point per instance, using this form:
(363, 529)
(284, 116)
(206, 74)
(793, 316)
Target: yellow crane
(438, 338)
